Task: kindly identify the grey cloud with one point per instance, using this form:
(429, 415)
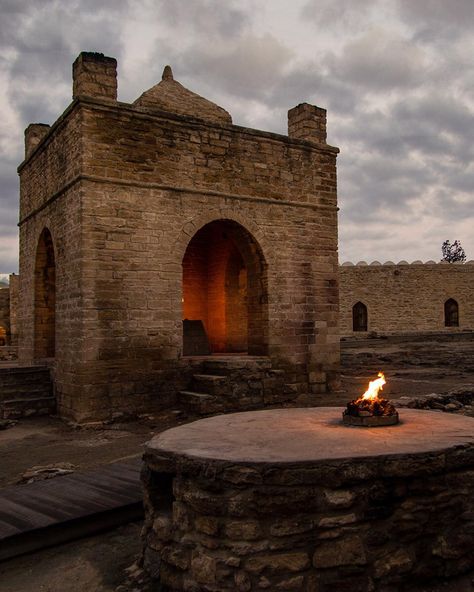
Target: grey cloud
(308, 84)
(378, 61)
(437, 18)
(211, 17)
(250, 68)
(343, 12)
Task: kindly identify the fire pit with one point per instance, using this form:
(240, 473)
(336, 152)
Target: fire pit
(370, 410)
(291, 499)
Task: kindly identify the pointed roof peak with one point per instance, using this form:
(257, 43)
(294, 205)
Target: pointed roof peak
(167, 73)
(171, 96)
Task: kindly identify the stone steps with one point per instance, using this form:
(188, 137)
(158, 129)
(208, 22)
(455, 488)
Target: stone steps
(199, 403)
(26, 407)
(25, 391)
(232, 383)
(210, 384)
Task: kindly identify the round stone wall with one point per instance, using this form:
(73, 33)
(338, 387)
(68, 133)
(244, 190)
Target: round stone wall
(294, 500)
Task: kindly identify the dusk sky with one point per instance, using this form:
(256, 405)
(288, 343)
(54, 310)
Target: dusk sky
(396, 76)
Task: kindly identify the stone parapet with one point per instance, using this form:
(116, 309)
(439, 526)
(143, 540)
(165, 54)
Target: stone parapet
(406, 297)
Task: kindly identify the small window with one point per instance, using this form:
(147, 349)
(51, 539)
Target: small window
(451, 313)
(359, 317)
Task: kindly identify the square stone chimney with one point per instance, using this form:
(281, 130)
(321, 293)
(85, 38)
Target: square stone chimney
(94, 75)
(307, 122)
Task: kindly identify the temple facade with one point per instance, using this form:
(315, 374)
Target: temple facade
(162, 247)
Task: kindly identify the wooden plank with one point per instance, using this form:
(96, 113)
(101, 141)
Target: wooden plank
(26, 510)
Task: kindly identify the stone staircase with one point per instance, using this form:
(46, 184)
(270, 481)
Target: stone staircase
(231, 383)
(205, 394)
(26, 391)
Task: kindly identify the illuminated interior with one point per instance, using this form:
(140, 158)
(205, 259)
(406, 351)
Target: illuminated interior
(224, 286)
(3, 336)
(45, 297)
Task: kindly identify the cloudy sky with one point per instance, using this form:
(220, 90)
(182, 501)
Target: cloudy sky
(397, 78)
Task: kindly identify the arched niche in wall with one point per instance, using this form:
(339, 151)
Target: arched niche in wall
(45, 297)
(3, 336)
(225, 290)
(451, 313)
(359, 317)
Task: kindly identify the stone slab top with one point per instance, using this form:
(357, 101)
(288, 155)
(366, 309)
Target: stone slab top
(301, 435)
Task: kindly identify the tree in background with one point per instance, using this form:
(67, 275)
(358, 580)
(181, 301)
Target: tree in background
(453, 252)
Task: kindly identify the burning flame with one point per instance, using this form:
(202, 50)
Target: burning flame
(374, 387)
(370, 404)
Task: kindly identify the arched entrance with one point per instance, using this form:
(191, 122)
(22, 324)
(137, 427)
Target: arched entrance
(3, 335)
(451, 313)
(224, 292)
(359, 317)
(45, 297)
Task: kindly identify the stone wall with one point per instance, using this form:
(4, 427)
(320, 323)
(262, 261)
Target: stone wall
(406, 298)
(123, 189)
(4, 316)
(370, 524)
(14, 297)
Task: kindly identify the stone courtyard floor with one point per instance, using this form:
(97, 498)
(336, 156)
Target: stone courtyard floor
(412, 368)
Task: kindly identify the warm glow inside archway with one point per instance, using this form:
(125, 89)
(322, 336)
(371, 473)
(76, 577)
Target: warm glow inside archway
(224, 287)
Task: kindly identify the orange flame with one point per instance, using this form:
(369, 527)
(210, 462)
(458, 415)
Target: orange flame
(374, 387)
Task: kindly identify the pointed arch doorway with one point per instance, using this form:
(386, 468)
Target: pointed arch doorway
(224, 292)
(45, 297)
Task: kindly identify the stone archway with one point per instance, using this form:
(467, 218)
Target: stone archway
(359, 317)
(225, 289)
(3, 335)
(451, 313)
(45, 297)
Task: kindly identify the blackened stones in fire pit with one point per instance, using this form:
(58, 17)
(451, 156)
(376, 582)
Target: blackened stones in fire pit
(370, 413)
(369, 420)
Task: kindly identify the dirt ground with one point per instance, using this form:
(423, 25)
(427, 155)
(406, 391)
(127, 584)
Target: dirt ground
(95, 564)
(92, 564)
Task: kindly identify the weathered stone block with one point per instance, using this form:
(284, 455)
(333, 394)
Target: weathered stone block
(347, 551)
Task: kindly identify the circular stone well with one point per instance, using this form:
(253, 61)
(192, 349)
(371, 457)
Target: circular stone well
(295, 500)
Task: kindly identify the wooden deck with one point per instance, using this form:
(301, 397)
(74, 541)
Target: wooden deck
(64, 508)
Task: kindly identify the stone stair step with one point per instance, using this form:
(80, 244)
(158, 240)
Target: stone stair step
(26, 407)
(210, 384)
(200, 403)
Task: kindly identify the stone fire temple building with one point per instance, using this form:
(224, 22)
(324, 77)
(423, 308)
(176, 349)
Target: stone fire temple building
(170, 257)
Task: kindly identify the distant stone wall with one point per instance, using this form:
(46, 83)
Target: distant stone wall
(405, 298)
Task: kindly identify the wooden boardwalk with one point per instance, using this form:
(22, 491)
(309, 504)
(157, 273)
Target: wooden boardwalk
(49, 512)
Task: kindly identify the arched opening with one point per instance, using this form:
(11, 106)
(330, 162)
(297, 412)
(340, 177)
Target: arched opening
(45, 297)
(224, 292)
(3, 336)
(359, 317)
(451, 313)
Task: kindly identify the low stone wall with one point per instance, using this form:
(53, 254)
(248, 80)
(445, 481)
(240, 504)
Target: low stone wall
(8, 353)
(362, 524)
(26, 391)
(459, 400)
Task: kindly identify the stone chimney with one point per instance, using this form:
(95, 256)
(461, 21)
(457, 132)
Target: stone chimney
(307, 122)
(34, 133)
(94, 75)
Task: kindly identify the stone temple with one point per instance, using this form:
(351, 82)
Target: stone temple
(170, 257)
